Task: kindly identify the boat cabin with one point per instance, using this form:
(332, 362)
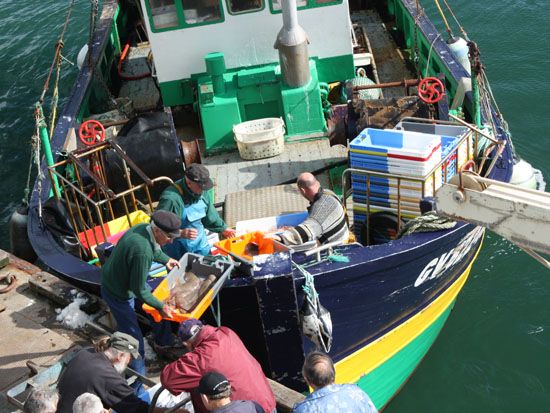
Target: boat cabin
(236, 73)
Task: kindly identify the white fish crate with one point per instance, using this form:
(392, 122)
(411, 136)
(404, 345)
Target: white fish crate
(260, 138)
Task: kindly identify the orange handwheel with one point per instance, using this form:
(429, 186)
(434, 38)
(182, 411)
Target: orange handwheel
(431, 90)
(91, 132)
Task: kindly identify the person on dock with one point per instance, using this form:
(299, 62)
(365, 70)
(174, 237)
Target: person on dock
(88, 403)
(124, 278)
(326, 221)
(189, 199)
(99, 370)
(218, 349)
(215, 391)
(41, 400)
(327, 397)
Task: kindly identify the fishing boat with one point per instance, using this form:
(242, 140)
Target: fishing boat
(368, 96)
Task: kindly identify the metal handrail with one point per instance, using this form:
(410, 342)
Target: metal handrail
(85, 212)
(369, 174)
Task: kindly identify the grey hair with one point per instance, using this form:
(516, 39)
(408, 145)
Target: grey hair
(222, 395)
(87, 403)
(41, 400)
(103, 345)
(112, 353)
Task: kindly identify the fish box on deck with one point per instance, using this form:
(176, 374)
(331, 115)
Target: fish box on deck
(411, 155)
(257, 254)
(394, 151)
(202, 267)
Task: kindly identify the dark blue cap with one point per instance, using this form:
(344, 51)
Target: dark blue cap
(189, 329)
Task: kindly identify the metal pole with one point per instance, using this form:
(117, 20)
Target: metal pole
(45, 139)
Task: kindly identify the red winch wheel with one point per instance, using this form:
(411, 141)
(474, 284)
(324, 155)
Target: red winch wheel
(91, 132)
(431, 90)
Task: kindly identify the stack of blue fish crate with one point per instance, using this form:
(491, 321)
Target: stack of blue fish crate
(409, 155)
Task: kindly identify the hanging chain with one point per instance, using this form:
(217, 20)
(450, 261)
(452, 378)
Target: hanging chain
(416, 53)
(111, 98)
(93, 18)
(96, 73)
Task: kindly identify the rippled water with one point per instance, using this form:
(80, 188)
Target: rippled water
(28, 34)
(492, 355)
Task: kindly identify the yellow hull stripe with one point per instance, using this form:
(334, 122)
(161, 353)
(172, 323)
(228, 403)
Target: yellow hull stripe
(363, 361)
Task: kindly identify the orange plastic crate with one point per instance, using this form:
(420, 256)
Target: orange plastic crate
(201, 266)
(237, 245)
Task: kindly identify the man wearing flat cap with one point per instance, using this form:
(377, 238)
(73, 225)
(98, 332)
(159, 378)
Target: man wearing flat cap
(124, 275)
(220, 349)
(188, 198)
(215, 391)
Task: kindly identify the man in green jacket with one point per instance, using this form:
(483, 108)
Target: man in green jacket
(188, 199)
(124, 275)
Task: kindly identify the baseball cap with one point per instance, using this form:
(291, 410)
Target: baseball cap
(199, 174)
(189, 328)
(167, 222)
(213, 383)
(126, 343)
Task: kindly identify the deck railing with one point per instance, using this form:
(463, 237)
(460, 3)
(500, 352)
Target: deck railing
(471, 138)
(85, 190)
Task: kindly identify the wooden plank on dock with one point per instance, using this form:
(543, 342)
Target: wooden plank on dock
(286, 398)
(4, 259)
(61, 292)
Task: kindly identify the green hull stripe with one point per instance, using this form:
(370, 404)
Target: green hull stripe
(382, 383)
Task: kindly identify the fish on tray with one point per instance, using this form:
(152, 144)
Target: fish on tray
(187, 291)
(252, 249)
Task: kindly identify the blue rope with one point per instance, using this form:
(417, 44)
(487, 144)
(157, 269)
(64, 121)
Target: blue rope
(309, 285)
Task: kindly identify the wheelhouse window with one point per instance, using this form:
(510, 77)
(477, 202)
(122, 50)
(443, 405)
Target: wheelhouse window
(201, 11)
(244, 6)
(277, 4)
(164, 14)
(304, 4)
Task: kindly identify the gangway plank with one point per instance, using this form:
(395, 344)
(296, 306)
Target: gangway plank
(518, 214)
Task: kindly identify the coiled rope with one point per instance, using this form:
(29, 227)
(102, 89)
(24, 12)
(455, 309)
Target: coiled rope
(429, 222)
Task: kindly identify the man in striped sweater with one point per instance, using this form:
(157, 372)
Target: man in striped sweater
(326, 221)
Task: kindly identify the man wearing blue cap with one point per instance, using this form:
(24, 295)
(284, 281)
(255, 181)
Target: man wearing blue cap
(188, 198)
(220, 349)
